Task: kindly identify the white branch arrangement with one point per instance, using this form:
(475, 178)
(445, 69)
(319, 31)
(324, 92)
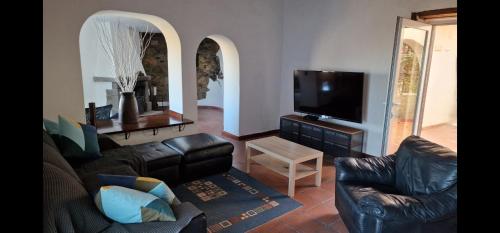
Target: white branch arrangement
(124, 47)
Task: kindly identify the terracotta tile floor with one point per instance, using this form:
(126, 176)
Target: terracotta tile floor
(443, 134)
(318, 213)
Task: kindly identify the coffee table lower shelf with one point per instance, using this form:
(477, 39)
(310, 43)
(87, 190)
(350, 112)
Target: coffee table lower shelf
(282, 167)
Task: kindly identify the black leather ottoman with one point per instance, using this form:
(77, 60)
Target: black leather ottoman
(162, 161)
(202, 155)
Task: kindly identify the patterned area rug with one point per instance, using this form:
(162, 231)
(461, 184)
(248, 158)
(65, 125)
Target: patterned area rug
(234, 201)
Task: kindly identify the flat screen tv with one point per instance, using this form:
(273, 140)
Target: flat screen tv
(335, 94)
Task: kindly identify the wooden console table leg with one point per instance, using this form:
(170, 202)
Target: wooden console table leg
(319, 168)
(291, 179)
(248, 154)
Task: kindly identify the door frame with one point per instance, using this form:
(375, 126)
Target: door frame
(434, 23)
(401, 23)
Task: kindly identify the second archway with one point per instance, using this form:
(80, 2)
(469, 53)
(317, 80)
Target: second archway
(218, 85)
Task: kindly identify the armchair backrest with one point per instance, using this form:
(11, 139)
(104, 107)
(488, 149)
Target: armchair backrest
(424, 167)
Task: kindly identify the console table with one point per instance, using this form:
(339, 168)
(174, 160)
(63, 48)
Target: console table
(151, 122)
(332, 139)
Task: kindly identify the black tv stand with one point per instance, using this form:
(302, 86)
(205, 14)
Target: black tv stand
(332, 139)
(311, 117)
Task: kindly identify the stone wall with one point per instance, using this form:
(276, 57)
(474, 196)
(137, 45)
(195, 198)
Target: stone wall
(207, 66)
(155, 64)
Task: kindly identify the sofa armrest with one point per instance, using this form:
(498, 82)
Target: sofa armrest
(426, 208)
(379, 170)
(106, 142)
(189, 219)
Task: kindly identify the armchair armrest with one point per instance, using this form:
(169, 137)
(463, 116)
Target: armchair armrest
(106, 142)
(379, 170)
(426, 208)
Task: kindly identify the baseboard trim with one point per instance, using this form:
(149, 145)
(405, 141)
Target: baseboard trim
(210, 107)
(250, 136)
(229, 135)
(175, 114)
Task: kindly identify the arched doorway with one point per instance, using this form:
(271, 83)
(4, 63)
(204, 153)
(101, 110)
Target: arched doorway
(89, 60)
(218, 78)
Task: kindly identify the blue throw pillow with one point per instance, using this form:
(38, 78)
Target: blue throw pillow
(77, 140)
(126, 205)
(150, 185)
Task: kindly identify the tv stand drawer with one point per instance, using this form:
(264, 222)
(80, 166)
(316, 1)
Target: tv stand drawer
(337, 137)
(312, 131)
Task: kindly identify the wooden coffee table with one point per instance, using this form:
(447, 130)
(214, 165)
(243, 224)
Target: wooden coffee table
(285, 157)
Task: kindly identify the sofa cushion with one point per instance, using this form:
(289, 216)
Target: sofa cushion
(199, 147)
(144, 184)
(423, 167)
(101, 113)
(91, 179)
(51, 128)
(189, 219)
(158, 156)
(126, 205)
(78, 140)
(67, 206)
(49, 140)
(52, 156)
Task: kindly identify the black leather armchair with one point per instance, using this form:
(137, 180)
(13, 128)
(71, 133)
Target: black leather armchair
(413, 190)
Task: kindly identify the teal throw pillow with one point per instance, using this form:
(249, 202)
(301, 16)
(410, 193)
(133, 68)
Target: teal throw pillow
(149, 185)
(126, 205)
(77, 140)
(52, 128)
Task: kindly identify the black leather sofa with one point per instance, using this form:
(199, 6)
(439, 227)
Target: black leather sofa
(414, 190)
(180, 159)
(67, 188)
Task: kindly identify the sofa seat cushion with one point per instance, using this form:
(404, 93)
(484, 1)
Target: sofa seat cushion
(200, 147)
(347, 200)
(158, 156)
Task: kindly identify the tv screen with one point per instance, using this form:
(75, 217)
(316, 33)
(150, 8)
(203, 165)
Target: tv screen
(331, 93)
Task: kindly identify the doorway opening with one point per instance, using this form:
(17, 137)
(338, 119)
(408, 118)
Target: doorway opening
(422, 96)
(157, 91)
(439, 113)
(218, 89)
(210, 87)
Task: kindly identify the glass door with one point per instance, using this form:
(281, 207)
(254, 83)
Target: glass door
(409, 60)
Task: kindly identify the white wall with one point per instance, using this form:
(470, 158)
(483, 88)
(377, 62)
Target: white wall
(255, 27)
(94, 63)
(349, 36)
(441, 98)
(215, 93)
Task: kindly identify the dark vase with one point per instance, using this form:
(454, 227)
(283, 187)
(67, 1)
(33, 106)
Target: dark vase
(128, 112)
